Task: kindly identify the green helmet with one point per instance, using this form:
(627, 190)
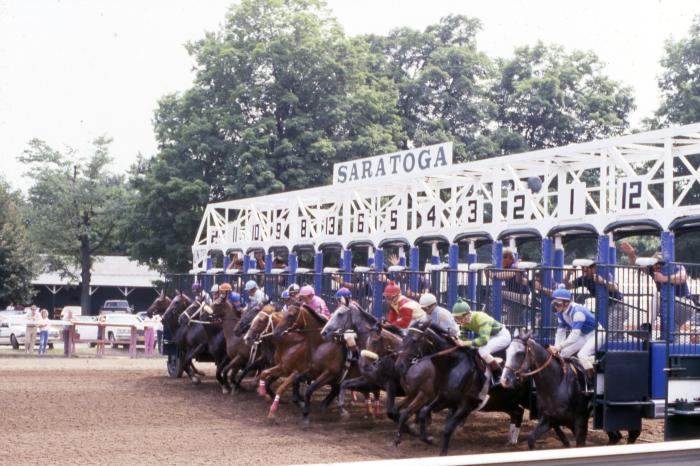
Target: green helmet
(460, 308)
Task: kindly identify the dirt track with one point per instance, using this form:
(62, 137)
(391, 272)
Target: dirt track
(121, 411)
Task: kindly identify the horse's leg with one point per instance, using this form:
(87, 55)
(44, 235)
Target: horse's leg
(278, 394)
(320, 381)
(268, 386)
(273, 371)
(633, 435)
(415, 404)
(454, 421)
(614, 437)
(540, 428)
(221, 376)
(335, 389)
(195, 375)
(516, 420)
(391, 409)
(561, 435)
(423, 417)
(180, 366)
(358, 383)
(296, 393)
(581, 430)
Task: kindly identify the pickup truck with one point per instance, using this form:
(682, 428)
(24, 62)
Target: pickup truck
(116, 305)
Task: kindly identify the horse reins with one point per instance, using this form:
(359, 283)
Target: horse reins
(537, 370)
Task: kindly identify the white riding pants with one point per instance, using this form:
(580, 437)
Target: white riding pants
(583, 348)
(498, 342)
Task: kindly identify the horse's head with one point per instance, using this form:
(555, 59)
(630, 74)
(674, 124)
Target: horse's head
(340, 321)
(293, 318)
(516, 358)
(159, 305)
(218, 309)
(262, 323)
(415, 345)
(178, 304)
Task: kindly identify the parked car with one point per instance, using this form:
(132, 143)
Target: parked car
(122, 335)
(13, 329)
(116, 305)
(77, 311)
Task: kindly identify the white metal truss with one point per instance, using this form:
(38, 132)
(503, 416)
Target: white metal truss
(654, 174)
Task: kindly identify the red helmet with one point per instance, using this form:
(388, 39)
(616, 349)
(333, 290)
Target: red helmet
(224, 287)
(391, 290)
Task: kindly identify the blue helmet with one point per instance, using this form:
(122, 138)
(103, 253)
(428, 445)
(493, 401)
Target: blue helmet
(561, 293)
(251, 285)
(234, 297)
(343, 293)
(196, 286)
(285, 295)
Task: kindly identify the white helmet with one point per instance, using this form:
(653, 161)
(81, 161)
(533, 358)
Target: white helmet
(215, 288)
(251, 285)
(427, 299)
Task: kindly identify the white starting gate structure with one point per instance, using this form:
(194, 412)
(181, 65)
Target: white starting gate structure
(644, 182)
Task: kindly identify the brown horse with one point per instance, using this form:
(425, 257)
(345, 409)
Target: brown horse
(177, 333)
(160, 304)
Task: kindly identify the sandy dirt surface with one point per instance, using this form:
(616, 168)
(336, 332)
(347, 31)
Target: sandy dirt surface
(121, 411)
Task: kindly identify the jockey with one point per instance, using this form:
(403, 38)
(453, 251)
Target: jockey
(402, 310)
(439, 315)
(306, 293)
(285, 299)
(234, 298)
(343, 298)
(293, 290)
(214, 291)
(199, 294)
(492, 336)
(255, 294)
(580, 324)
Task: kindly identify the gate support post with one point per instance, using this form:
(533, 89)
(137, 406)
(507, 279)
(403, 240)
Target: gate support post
(497, 298)
(293, 264)
(471, 276)
(452, 278)
(267, 285)
(318, 271)
(347, 265)
(377, 286)
(414, 264)
(549, 258)
(601, 291)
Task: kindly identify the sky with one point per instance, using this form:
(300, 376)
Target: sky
(72, 70)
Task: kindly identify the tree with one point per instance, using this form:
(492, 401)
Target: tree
(680, 81)
(444, 84)
(17, 258)
(551, 98)
(280, 94)
(75, 205)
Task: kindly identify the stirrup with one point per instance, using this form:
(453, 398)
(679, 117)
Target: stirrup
(483, 403)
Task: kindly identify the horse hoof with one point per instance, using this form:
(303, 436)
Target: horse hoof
(196, 380)
(305, 423)
(225, 391)
(430, 440)
(344, 415)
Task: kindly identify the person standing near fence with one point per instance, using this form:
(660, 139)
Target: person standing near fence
(67, 318)
(43, 327)
(101, 326)
(158, 325)
(148, 334)
(30, 333)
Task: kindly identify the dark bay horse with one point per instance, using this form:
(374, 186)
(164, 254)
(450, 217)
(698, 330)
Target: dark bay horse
(436, 375)
(560, 393)
(170, 319)
(375, 373)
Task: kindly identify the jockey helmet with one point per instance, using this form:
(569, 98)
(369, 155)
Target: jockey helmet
(234, 297)
(391, 290)
(343, 293)
(225, 287)
(293, 289)
(251, 285)
(427, 300)
(460, 308)
(562, 294)
(215, 288)
(306, 290)
(284, 295)
(196, 286)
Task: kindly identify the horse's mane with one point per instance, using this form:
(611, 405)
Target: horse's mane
(391, 328)
(368, 317)
(319, 318)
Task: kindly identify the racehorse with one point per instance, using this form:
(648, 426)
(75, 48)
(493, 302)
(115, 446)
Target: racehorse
(560, 397)
(435, 374)
(211, 319)
(159, 305)
(170, 320)
(375, 374)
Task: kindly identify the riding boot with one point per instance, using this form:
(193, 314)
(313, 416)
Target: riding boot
(495, 373)
(590, 375)
(353, 354)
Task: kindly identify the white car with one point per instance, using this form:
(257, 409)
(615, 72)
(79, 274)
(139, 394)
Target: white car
(122, 335)
(13, 329)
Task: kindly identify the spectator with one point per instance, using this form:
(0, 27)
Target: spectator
(10, 307)
(67, 318)
(673, 274)
(30, 334)
(101, 325)
(515, 291)
(148, 334)
(159, 332)
(43, 326)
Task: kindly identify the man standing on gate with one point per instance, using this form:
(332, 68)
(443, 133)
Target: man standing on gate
(515, 290)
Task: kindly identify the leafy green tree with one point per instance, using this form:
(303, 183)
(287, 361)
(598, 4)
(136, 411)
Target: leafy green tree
(552, 98)
(444, 85)
(280, 94)
(75, 205)
(680, 81)
(17, 257)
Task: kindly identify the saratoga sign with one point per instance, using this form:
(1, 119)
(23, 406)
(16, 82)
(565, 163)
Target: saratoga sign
(410, 162)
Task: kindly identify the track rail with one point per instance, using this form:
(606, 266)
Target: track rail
(684, 453)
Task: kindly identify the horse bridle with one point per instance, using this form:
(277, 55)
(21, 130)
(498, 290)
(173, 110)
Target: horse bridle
(519, 373)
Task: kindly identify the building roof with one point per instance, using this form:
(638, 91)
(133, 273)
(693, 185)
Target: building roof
(114, 271)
